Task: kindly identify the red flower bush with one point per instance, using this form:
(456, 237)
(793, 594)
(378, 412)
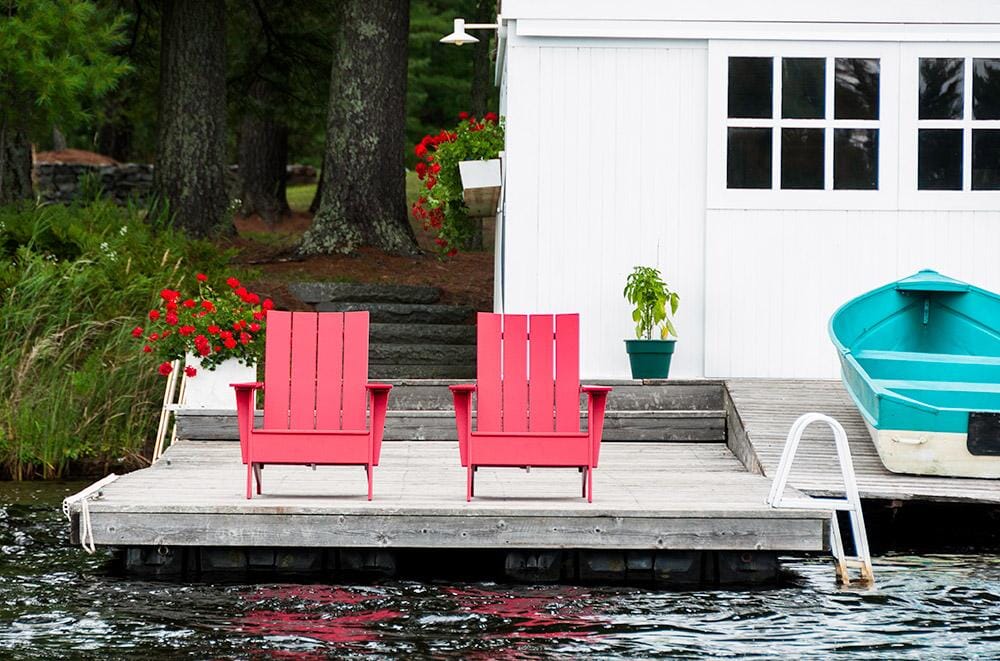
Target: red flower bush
(180, 329)
(442, 207)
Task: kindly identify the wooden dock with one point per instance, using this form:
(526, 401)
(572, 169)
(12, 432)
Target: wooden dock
(659, 496)
(760, 412)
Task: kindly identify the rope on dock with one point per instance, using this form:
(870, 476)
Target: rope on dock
(83, 498)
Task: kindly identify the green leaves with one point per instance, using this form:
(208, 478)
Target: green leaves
(645, 289)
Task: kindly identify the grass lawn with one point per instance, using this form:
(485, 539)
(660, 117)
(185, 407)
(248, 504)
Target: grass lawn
(300, 197)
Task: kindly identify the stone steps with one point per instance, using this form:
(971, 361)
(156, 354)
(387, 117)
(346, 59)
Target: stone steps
(326, 292)
(411, 334)
(404, 313)
(461, 334)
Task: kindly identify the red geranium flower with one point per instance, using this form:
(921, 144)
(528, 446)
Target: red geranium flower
(154, 315)
(208, 305)
(185, 330)
(172, 319)
(190, 371)
(165, 369)
(137, 331)
(254, 327)
(267, 304)
(233, 282)
(147, 349)
(229, 342)
(189, 303)
(201, 277)
(463, 115)
(169, 294)
(490, 117)
(213, 329)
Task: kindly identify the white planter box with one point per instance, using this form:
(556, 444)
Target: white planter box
(210, 389)
(481, 182)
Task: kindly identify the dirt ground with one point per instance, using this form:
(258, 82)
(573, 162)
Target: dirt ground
(466, 279)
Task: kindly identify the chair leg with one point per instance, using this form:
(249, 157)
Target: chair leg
(368, 472)
(590, 484)
(249, 480)
(583, 481)
(469, 483)
(257, 468)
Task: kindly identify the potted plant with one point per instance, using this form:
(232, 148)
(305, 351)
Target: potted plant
(219, 336)
(649, 356)
(460, 172)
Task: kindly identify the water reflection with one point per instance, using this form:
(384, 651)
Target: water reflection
(57, 602)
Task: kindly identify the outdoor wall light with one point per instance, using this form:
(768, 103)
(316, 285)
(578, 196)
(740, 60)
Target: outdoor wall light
(460, 36)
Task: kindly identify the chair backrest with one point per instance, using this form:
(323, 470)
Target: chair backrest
(528, 372)
(315, 370)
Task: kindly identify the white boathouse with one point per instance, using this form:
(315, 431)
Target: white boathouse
(773, 159)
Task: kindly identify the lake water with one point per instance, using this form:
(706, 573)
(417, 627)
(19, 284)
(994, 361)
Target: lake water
(58, 602)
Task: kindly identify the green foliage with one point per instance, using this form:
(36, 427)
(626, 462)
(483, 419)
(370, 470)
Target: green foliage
(645, 289)
(55, 55)
(73, 279)
(440, 76)
(442, 206)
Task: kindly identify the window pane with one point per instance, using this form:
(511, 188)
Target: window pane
(748, 162)
(803, 87)
(986, 159)
(941, 84)
(986, 89)
(939, 159)
(750, 85)
(855, 159)
(856, 88)
(802, 158)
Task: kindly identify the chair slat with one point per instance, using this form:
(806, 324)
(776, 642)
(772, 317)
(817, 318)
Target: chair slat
(329, 370)
(488, 397)
(515, 373)
(355, 397)
(302, 404)
(567, 372)
(277, 365)
(541, 384)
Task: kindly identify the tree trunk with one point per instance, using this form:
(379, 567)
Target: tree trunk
(364, 186)
(318, 195)
(481, 61)
(114, 139)
(58, 139)
(263, 158)
(191, 142)
(15, 164)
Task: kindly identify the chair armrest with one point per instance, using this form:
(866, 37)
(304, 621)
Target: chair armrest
(248, 386)
(462, 395)
(597, 399)
(380, 405)
(245, 413)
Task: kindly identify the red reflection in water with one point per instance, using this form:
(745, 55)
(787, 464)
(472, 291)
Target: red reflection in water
(352, 627)
(531, 616)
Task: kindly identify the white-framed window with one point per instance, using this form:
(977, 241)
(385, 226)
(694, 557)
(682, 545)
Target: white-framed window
(950, 126)
(802, 125)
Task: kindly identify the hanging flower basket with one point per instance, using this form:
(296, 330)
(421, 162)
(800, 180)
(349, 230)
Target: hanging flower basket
(481, 186)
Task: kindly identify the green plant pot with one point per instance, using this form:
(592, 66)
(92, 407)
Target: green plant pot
(650, 359)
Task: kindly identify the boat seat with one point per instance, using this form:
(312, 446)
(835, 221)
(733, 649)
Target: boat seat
(918, 356)
(944, 386)
(964, 395)
(911, 367)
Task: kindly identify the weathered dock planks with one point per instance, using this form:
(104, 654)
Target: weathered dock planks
(761, 411)
(690, 496)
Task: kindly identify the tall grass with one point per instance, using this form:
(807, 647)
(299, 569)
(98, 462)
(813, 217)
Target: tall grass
(74, 281)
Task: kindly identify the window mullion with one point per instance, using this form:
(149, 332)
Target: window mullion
(967, 126)
(776, 117)
(830, 81)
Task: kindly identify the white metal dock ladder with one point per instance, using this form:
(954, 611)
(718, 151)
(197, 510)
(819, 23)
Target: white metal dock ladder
(850, 503)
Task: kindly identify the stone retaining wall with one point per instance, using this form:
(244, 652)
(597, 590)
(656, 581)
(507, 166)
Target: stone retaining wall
(65, 182)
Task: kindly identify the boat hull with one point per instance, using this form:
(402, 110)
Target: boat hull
(944, 454)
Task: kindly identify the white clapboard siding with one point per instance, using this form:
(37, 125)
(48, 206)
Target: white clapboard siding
(775, 277)
(605, 170)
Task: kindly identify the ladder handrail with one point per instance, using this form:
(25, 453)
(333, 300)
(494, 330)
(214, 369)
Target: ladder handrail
(850, 503)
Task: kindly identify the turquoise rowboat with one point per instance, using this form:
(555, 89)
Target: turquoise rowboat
(921, 359)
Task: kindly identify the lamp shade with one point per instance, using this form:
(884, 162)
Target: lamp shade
(459, 36)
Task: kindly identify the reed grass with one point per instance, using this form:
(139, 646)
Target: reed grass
(74, 385)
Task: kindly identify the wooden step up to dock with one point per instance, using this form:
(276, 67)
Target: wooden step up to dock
(761, 411)
(421, 410)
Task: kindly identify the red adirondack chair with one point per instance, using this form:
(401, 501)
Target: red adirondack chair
(315, 396)
(528, 409)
